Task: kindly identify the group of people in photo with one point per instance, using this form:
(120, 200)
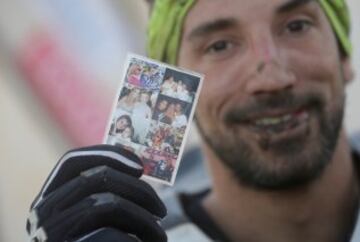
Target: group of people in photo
(158, 164)
(163, 169)
(136, 103)
(144, 75)
(170, 112)
(176, 89)
(164, 138)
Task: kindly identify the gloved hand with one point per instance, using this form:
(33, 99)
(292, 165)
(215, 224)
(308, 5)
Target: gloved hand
(94, 194)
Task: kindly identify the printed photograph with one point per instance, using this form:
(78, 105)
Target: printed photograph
(172, 111)
(164, 137)
(137, 104)
(151, 114)
(158, 165)
(144, 74)
(179, 85)
(122, 133)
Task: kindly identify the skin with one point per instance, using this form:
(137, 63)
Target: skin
(170, 111)
(122, 123)
(131, 98)
(170, 79)
(266, 52)
(144, 97)
(134, 94)
(134, 70)
(127, 133)
(178, 109)
(162, 105)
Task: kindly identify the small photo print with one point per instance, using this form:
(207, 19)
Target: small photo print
(179, 85)
(158, 164)
(172, 111)
(164, 137)
(151, 114)
(121, 133)
(144, 74)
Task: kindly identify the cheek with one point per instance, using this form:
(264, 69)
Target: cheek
(214, 95)
(321, 73)
(320, 69)
(223, 80)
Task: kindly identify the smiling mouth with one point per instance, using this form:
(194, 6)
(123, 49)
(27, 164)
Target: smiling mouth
(281, 122)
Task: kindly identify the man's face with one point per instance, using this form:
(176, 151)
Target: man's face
(272, 102)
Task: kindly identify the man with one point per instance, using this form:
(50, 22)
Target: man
(270, 115)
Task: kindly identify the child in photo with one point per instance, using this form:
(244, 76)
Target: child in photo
(127, 134)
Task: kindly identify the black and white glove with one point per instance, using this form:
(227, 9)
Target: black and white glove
(94, 194)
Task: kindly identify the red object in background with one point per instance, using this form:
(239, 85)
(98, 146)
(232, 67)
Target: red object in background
(68, 92)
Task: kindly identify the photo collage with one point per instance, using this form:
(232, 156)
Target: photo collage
(152, 114)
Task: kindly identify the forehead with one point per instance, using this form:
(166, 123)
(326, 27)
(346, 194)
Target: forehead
(205, 11)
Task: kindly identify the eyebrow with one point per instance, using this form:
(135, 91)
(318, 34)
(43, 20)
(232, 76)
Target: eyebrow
(211, 27)
(292, 5)
(227, 23)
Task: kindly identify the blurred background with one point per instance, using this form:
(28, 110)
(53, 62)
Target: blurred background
(60, 66)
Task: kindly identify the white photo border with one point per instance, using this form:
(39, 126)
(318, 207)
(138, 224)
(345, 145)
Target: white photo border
(127, 63)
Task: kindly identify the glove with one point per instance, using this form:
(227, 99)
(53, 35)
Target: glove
(94, 194)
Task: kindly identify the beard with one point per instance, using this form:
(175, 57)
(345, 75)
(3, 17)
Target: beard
(283, 164)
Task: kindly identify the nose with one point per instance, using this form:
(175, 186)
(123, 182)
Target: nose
(270, 70)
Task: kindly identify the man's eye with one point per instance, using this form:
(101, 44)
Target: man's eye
(218, 46)
(298, 26)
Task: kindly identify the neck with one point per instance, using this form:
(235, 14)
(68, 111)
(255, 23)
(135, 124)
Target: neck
(320, 211)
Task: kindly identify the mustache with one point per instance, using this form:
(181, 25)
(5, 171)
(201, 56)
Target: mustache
(285, 100)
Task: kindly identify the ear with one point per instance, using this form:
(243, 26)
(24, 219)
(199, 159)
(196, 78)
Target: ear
(347, 69)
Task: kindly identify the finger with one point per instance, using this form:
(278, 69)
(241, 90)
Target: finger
(100, 180)
(76, 161)
(108, 235)
(104, 210)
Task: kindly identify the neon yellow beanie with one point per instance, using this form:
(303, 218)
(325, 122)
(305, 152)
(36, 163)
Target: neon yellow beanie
(166, 24)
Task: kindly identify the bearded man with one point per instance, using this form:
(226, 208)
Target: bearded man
(270, 115)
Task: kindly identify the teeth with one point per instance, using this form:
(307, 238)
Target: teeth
(286, 118)
(273, 120)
